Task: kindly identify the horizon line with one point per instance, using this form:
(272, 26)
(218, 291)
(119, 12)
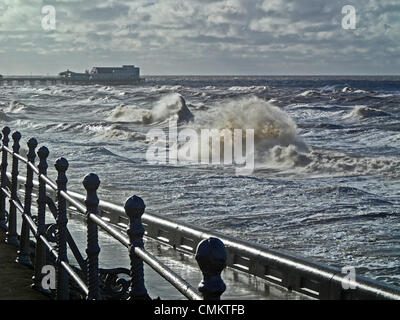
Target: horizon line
(230, 75)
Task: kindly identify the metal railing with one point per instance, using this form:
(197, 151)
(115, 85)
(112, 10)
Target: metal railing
(87, 278)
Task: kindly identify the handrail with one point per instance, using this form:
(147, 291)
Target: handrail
(134, 208)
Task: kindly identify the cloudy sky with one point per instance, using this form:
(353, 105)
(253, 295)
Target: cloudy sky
(201, 36)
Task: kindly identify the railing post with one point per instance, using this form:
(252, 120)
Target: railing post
(91, 183)
(61, 166)
(40, 250)
(3, 213)
(211, 257)
(2, 220)
(25, 248)
(134, 209)
(11, 235)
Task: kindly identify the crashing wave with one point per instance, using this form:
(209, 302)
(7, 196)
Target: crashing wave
(127, 113)
(121, 134)
(171, 106)
(17, 107)
(275, 139)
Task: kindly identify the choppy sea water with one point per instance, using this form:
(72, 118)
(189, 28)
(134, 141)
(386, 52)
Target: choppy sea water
(326, 183)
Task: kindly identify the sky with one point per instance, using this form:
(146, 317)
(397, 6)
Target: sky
(201, 37)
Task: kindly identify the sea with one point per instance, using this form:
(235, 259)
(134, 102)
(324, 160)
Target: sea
(326, 177)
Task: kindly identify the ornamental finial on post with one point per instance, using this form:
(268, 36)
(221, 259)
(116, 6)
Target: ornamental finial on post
(91, 182)
(6, 131)
(61, 166)
(211, 257)
(32, 144)
(134, 209)
(43, 153)
(16, 137)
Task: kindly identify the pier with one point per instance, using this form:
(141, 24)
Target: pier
(36, 211)
(125, 75)
(54, 80)
(32, 80)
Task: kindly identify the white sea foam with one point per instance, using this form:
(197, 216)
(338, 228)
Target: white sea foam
(171, 105)
(18, 107)
(121, 134)
(127, 113)
(366, 112)
(340, 164)
(246, 89)
(165, 88)
(308, 93)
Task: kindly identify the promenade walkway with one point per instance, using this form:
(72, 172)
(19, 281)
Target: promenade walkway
(15, 279)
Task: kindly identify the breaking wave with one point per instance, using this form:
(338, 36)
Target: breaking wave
(127, 113)
(121, 134)
(367, 112)
(308, 93)
(173, 105)
(169, 107)
(276, 144)
(338, 163)
(275, 138)
(18, 107)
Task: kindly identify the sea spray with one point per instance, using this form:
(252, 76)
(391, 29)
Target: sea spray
(170, 106)
(188, 146)
(235, 133)
(274, 131)
(127, 113)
